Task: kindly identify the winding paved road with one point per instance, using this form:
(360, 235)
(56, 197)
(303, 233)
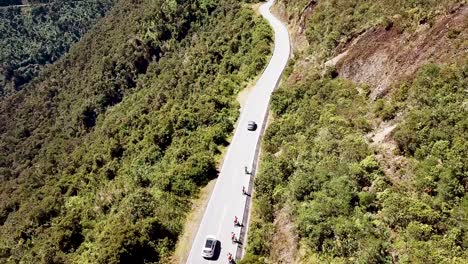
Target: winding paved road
(227, 199)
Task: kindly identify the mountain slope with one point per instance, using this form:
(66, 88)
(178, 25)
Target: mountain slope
(37, 35)
(101, 154)
(366, 153)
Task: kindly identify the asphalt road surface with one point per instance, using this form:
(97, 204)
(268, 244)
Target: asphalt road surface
(227, 199)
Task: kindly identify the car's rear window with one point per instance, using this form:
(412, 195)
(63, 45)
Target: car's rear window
(209, 243)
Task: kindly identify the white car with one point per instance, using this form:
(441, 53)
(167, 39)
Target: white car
(209, 248)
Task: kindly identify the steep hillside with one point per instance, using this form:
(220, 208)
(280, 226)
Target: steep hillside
(101, 154)
(39, 34)
(365, 160)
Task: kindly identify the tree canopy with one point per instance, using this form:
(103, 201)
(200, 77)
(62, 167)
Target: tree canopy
(103, 151)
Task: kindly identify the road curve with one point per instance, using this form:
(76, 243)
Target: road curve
(227, 200)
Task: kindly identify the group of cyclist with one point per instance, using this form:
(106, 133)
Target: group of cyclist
(236, 223)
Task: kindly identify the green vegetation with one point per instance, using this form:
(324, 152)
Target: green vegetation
(22, 2)
(317, 161)
(346, 205)
(346, 210)
(101, 154)
(35, 36)
(10, 2)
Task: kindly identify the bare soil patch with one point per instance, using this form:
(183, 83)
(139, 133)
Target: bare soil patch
(382, 56)
(284, 247)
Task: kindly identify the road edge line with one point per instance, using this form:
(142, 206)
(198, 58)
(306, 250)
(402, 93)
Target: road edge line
(247, 209)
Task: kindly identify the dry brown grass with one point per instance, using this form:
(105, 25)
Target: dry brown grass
(256, 8)
(244, 93)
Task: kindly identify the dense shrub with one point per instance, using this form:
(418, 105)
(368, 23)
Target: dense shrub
(345, 208)
(103, 152)
(317, 163)
(39, 35)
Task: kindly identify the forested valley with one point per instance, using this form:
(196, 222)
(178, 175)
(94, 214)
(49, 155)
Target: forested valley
(102, 152)
(364, 163)
(39, 33)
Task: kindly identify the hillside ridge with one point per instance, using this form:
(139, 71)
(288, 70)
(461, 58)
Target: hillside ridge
(365, 158)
